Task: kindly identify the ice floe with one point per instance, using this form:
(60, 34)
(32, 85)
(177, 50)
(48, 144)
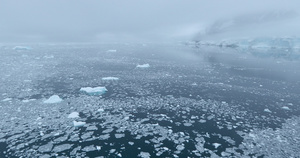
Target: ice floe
(94, 91)
(73, 115)
(21, 48)
(53, 99)
(143, 66)
(78, 124)
(110, 78)
(6, 99)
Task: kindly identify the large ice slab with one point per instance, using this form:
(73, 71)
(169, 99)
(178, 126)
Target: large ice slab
(93, 91)
(53, 99)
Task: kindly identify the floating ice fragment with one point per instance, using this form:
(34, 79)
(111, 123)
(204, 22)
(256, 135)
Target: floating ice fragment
(144, 154)
(143, 66)
(286, 108)
(216, 145)
(21, 48)
(267, 110)
(78, 124)
(130, 143)
(7, 99)
(110, 78)
(111, 51)
(73, 115)
(27, 100)
(49, 57)
(119, 135)
(100, 110)
(94, 91)
(180, 147)
(62, 147)
(53, 99)
(98, 147)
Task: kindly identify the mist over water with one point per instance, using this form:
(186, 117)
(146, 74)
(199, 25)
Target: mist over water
(144, 21)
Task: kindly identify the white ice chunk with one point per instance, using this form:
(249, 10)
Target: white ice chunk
(119, 135)
(216, 145)
(143, 66)
(78, 124)
(286, 108)
(111, 51)
(27, 100)
(180, 147)
(53, 99)
(21, 48)
(73, 115)
(267, 110)
(110, 78)
(100, 110)
(144, 154)
(93, 91)
(7, 99)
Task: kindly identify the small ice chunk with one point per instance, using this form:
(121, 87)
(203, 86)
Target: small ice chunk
(130, 143)
(78, 124)
(216, 145)
(144, 154)
(180, 147)
(110, 78)
(53, 99)
(21, 48)
(267, 110)
(94, 91)
(100, 110)
(143, 66)
(111, 51)
(27, 100)
(73, 115)
(286, 108)
(7, 99)
(119, 135)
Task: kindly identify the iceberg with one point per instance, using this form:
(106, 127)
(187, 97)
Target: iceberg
(53, 99)
(78, 124)
(143, 66)
(110, 78)
(21, 48)
(93, 91)
(73, 115)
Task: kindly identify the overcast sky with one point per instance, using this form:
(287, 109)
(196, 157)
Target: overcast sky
(141, 20)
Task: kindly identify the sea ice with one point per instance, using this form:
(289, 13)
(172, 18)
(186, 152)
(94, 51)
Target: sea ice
(78, 124)
(53, 99)
(7, 99)
(267, 110)
(119, 135)
(73, 115)
(94, 91)
(216, 145)
(285, 108)
(111, 51)
(21, 48)
(144, 154)
(110, 78)
(143, 66)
